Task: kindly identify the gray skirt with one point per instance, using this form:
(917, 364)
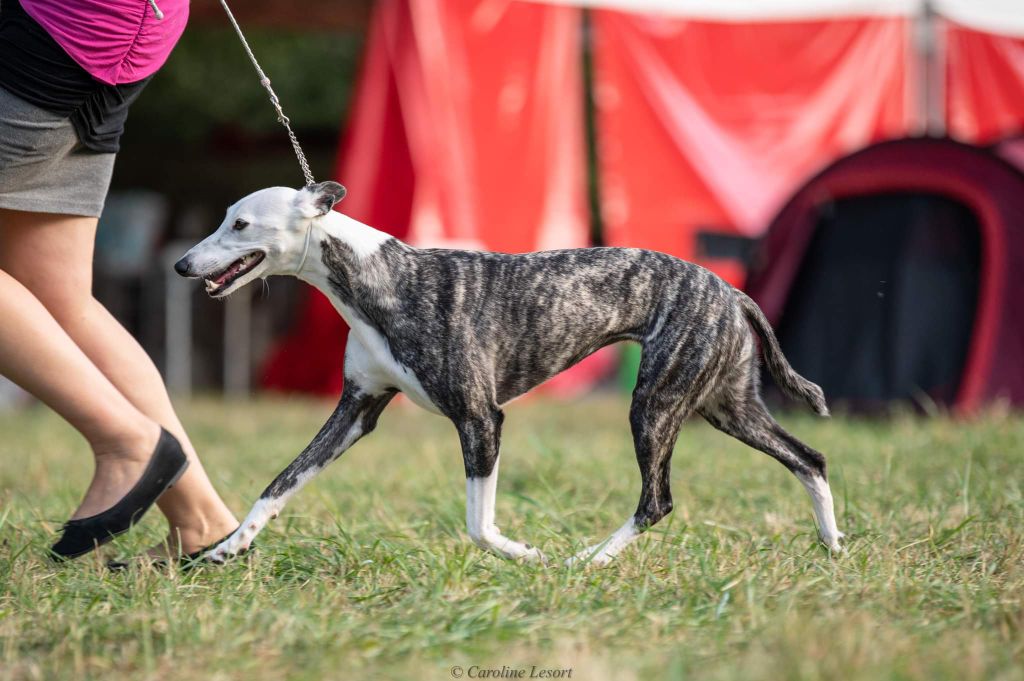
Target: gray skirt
(43, 166)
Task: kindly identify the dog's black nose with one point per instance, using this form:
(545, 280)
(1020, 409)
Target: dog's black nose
(183, 266)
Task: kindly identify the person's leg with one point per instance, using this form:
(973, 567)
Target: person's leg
(52, 256)
(38, 355)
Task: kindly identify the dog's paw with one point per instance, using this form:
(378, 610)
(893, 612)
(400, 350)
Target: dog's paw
(235, 545)
(596, 555)
(513, 550)
(509, 549)
(836, 545)
(533, 555)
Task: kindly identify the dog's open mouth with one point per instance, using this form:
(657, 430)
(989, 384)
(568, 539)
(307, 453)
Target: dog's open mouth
(219, 282)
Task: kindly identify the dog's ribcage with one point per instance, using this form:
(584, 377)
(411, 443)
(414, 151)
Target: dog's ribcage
(484, 328)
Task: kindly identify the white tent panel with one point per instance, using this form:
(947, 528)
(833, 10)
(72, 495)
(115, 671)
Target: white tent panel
(1005, 17)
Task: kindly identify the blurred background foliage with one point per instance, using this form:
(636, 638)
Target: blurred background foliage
(203, 134)
(209, 88)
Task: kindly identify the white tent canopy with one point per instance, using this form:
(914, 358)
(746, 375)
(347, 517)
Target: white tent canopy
(1005, 17)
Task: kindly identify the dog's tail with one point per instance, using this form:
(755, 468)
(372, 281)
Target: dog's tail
(792, 383)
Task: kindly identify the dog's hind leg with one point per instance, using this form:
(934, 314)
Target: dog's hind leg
(481, 439)
(655, 422)
(739, 412)
(355, 416)
(677, 368)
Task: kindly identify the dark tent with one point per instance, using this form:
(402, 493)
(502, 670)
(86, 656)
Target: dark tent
(898, 274)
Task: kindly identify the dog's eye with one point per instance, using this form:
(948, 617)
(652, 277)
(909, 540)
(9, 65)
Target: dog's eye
(240, 224)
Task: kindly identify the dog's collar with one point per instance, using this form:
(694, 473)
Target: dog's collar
(305, 248)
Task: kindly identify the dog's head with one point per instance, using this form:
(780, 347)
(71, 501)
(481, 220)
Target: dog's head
(263, 234)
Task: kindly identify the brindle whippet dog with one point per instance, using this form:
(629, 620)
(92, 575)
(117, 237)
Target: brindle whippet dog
(461, 333)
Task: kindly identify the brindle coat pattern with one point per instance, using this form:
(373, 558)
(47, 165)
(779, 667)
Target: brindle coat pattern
(479, 329)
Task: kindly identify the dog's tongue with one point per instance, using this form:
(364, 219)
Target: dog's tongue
(237, 265)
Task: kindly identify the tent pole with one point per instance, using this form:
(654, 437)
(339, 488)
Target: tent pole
(590, 128)
(930, 70)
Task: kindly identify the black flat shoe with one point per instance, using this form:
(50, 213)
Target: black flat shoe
(186, 561)
(81, 536)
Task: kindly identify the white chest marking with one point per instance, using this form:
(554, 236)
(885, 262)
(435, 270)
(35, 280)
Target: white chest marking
(369, 361)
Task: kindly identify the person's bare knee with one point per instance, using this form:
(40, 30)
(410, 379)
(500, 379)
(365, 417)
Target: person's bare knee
(51, 255)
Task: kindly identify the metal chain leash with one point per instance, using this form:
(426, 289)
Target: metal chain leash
(265, 82)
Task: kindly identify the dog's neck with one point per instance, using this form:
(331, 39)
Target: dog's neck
(359, 240)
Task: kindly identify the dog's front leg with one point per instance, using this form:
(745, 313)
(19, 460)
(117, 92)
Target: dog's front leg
(481, 438)
(355, 416)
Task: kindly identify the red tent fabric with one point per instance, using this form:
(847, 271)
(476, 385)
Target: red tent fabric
(984, 84)
(708, 125)
(467, 124)
(466, 132)
(378, 174)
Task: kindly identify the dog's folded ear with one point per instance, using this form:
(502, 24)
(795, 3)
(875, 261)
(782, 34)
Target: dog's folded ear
(320, 198)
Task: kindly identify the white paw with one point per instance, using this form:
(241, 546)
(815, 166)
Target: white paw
(834, 544)
(511, 550)
(234, 545)
(596, 555)
(532, 555)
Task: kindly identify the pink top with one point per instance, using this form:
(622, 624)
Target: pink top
(116, 41)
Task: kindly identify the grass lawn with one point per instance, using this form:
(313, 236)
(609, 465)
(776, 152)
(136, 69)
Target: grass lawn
(369, 572)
